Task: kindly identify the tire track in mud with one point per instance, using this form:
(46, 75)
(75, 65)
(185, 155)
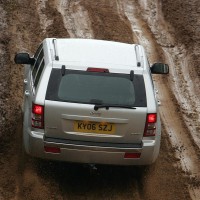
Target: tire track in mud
(19, 175)
(183, 83)
(147, 39)
(176, 52)
(106, 23)
(44, 21)
(56, 28)
(75, 16)
(186, 32)
(179, 136)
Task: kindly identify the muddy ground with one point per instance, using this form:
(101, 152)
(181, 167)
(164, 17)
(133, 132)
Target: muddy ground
(169, 30)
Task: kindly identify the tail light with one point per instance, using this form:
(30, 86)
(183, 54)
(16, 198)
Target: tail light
(37, 116)
(150, 127)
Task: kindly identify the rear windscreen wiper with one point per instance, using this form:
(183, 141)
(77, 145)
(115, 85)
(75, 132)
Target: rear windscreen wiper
(107, 106)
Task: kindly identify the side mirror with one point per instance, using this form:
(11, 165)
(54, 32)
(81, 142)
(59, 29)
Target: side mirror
(23, 58)
(159, 68)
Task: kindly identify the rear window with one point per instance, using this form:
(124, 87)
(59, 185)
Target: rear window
(96, 88)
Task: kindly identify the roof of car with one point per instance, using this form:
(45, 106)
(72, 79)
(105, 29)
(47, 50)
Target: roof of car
(96, 53)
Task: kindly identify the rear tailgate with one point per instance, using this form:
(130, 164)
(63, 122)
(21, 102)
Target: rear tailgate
(74, 121)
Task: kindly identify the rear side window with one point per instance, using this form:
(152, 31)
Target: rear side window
(38, 51)
(96, 88)
(37, 64)
(39, 72)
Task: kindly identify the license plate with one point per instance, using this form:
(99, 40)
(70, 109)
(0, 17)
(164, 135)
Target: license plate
(94, 127)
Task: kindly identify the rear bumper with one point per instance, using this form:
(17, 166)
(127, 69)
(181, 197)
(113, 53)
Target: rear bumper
(96, 153)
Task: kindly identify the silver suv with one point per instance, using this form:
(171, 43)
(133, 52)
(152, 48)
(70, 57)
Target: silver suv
(91, 101)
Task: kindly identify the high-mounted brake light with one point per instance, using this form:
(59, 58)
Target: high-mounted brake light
(37, 116)
(150, 127)
(91, 69)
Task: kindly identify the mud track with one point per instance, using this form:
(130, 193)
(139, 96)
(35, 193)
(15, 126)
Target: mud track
(169, 30)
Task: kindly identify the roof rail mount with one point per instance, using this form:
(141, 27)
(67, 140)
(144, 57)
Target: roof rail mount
(137, 55)
(55, 49)
(131, 75)
(63, 70)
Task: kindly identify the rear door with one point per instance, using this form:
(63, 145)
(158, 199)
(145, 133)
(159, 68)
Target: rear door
(70, 111)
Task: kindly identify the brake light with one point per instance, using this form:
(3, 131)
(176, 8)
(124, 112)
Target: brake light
(37, 116)
(91, 69)
(150, 127)
(151, 118)
(37, 109)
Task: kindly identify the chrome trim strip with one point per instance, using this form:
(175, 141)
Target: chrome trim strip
(91, 118)
(93, 146)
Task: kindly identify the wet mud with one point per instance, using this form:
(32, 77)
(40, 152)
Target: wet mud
(169, 29)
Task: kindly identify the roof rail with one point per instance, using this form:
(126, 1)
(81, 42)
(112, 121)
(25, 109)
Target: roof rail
(138, 58)
(55, 49)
